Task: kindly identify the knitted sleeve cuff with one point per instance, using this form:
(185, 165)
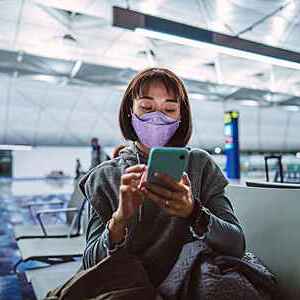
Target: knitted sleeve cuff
(112, 247)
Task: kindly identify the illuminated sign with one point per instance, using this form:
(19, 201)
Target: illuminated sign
(231, 144)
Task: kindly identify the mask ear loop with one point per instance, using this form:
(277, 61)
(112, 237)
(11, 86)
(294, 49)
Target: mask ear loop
(136, 153)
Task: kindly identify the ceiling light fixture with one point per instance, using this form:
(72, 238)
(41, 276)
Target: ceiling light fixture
(219, 49)
(218, 150)
(16, 147)
(174, 32)
(248, 102)
(20, 56)
(291, 107)
(268, 97)
(197, 96)
(46, 78)
(150, 6)
(76, 68)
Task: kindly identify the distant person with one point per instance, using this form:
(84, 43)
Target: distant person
(78, 170)
(98, 154)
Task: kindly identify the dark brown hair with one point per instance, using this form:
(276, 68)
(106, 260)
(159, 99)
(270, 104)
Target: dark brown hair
(172, 83)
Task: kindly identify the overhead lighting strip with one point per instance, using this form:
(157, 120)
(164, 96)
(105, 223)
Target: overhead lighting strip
(174, 32)
(16, 147)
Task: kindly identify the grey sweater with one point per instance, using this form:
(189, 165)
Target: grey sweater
(158, 238)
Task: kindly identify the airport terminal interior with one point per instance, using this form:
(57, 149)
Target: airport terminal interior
(65, 66)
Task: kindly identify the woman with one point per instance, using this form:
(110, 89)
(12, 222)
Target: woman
(157, 224)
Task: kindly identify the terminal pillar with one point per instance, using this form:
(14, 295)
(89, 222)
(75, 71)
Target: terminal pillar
(232, 150)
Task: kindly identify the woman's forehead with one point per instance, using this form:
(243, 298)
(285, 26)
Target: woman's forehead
(157, 87)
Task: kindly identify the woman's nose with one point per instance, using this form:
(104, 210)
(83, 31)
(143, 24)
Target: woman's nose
(158, 106)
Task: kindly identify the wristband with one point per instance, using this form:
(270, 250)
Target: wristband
(200, 215)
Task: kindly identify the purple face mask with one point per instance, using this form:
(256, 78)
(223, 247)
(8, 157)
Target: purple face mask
(154, 129)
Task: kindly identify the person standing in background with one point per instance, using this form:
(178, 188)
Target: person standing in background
(78, 170)
(97, 155)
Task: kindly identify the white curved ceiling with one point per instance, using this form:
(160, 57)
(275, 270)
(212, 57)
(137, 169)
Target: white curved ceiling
(48, 37)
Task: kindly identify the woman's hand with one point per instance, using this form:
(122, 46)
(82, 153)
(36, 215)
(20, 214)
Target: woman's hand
(174, 197)
(130, 196)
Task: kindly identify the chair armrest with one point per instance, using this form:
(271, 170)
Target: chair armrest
(52, 211)
(56, 210)
(32, 204)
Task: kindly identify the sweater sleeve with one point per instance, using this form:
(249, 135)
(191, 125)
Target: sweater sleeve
(96, 241)
(223, 231)
(97, 235)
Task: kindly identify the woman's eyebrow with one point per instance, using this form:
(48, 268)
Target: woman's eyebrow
(145, 97)
(172, 100)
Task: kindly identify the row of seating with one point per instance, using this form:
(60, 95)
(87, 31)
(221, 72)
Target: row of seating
(61, 246)
(270, 219)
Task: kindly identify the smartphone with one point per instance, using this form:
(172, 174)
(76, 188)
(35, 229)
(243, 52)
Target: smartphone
(171, 161)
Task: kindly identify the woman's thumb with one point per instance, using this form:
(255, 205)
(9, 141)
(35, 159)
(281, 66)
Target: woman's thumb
(185, 179)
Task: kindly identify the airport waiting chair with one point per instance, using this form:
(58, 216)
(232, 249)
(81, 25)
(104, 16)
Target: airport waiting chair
(45, 279)
(274, 185)
(53, 250)
(50, 250)
(270, 220)
(72, 227)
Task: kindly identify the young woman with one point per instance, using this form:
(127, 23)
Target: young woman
(157, 223)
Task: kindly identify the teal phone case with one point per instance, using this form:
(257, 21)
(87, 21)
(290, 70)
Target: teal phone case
(167, 160)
